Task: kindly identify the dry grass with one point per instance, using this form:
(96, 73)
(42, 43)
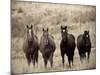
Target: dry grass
(52, 16)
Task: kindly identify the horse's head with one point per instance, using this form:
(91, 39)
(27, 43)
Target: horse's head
(86, 38)
(64, 32)
(86, 34)
(45, 34)
(29, 33)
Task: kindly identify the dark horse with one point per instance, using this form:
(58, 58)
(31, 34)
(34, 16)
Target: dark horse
(31, 46)
(47, 47)
(84, 45)
(67, 45)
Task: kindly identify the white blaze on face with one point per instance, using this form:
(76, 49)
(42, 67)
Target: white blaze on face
(63, 30)
(30, 32)
(87, 36)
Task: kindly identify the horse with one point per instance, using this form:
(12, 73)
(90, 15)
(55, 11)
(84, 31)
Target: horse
(31, 46)
(47, 47)
(67, 45)
(84, 45)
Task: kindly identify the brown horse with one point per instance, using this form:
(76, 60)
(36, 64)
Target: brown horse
(84, 45)
(31, 46)
(47, 47)
(67, 45)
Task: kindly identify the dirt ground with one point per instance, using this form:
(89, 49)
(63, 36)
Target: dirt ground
(77, 17)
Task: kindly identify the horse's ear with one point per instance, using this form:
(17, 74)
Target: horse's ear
(43, 29)
(31, 26)
(47, 29)
(27, 26)
(65, 27)
(61, 27)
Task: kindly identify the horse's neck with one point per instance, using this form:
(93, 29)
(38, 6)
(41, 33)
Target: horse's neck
(66, 39)
(67, 35)
(46, 39)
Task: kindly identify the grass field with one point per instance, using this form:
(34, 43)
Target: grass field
(77, 17)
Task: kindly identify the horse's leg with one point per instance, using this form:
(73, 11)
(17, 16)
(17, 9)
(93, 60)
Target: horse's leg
(45, 62)
(28, 59)
(51, 60)
(37, 58)
(81, 57)
(88, 56)
(62, 54)
(33, 58)
(72, 60)
(84, 56)
(69, 61)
